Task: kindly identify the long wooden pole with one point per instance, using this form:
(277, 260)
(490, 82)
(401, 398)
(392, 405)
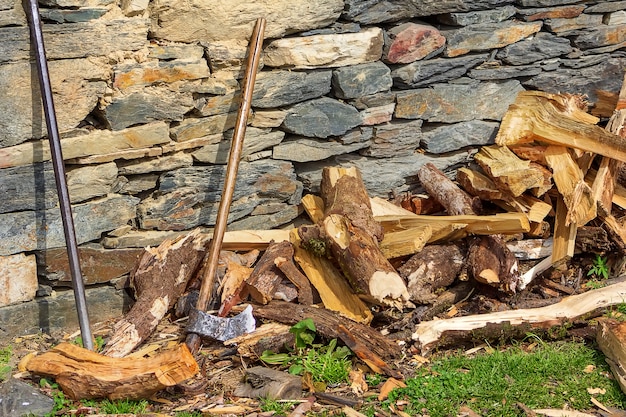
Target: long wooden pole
(210, 267)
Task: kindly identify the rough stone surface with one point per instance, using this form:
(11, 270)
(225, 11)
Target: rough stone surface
(192, 128)
(84, 14)
(283, 88)
(18, 398)
(18, 278)
(422, 73)
(27, 187)
(452, 103)
(266, 221)
(217, 20)
(543, 3)
(542, 46)
(77, 84)
(395, 139)
(565, 12)
(58, 313)
(158, 164)
(97, 265)
(487, 36)
(155, 72)
(606, 7)
(325, 51)
(488, 73)
(601, 36)
(360, 80)
(306, 150)
(409, 42)
(495, 15)
(377, 115)
(255, 140)
(447, 138)
(90, 181)
(583, 21)
(321, 118)
(39, 230)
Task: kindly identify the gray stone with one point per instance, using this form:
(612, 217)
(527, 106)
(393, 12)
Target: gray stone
(452, 103)
(585, 61)
(487, 36)
(39, 230)
(136, 184)
(159, 164)
(282, 88)
(140, 239)
(78, 40)
(28, 187)
(145, 106)
(335, 28)
(210, 20)
(360, 80)
(596, 37)
(607, 76)
(377, 11)
(255, 140)
(543, 3)
(452, 137)
(220, 83)
(192, 128)
(229, 56)
(487, 73)
(66, 4)
(615, 18)
(382, 177)
(495, 15)
(221, 104)
(377, 115)
(306, 150)
(541, 46)
(91, 181)
(422, 73)
(374, 100)
(18, 398)
(159, 72)
(134, 7)
(266, 221)
(560, 25)
(18, 278)
(176, 51)
(565, 12)
(77, 84)
(58, 312)
(268, 118)
(321, 118)
(84, 14)
(13, 17)
(395, 139)
(409, 42)
(606, 7)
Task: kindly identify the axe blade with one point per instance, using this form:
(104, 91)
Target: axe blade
(221, 328)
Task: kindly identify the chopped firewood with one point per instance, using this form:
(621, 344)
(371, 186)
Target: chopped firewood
(569, 180)
(326, 324)
(611, 338)
(539, 230)
(605, 104)
(491, 262)
(593, 239)
(405, 242)
(381, 207)
(511, 173)
(270, 336)
(266, 276)
(535, 209)
(234, 277)
(603, 186)
(557, 119)
(293, 274)
(446, 192)
(616, 232)
(159, 279)
(530, 249)
(83, 374)
(480, 185)
(564, 234)
(314, 207)
(243, 240)
(431, 333)
(557, 286)
(261, 382)
(531, 152)
(459, 226)
(420, 204)
(352, 235)
(375, 362)
(431, 270)
(332, 287)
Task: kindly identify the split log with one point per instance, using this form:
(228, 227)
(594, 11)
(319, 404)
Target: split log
(375, 362)
(159, 279)
(446, 192)
(352, 235)
(269, 336)
(432, 333)
(420, 204)
(83, 374)
(564, 234)
(261, 382)
(265, 278)
(327, 324)
(511, 173)
(557, 119)
(491, 262)
(611, 338)
(530, 249)
(293, 274)
(432, 270)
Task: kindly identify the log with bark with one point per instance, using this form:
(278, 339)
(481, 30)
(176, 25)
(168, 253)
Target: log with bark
(446, 192)
(611, 338)
(491, 262)
(83, 374)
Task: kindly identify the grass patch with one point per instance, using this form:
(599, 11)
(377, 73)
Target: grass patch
(279, 408)
(5, 357)
(549, 376)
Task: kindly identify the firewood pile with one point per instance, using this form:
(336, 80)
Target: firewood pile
(548, 186)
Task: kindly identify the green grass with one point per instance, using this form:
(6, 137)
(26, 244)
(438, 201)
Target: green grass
(280, 408)
(550, 376)
(5, 357)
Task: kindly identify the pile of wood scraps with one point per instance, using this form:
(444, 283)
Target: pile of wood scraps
(423, 267)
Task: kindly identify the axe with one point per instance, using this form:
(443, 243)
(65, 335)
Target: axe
(208, 279)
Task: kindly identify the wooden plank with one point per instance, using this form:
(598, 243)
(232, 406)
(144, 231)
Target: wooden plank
(564, 234)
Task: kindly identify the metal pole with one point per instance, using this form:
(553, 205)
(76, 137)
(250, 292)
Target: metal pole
(59, 173)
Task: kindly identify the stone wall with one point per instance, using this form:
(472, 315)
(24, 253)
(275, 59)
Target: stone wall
(147, 92)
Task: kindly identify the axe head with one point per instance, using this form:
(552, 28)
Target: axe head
(221, 328)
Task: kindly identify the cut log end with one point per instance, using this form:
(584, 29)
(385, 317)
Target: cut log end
(388, 288)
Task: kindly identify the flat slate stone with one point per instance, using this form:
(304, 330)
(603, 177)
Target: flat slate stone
(306, 150)
(450, 103)
(410, 42)
(395, 139)
(321, 118)
(39, 230)
(90, 181)
(565, 12)
(559, 25)
(192, 128)
(543, 3)
(452, 137)
(431, 71)
(606, 7)
(159, 164)
(266, 221)
(156, 72)
(487, 36)
(255, 140)
(18, 279)
(84, 14)
(27, 187)
(360, 80)
(280, 88)
(18, 398)
(487, 73)
(495, 15)
(596, 37)
(176, 51)
(541, 46)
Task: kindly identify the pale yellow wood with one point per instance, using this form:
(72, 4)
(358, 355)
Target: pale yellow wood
(405, 242)
(314, 207)
(564, 234)
(252, 239)
(334, 290)
(382, 207)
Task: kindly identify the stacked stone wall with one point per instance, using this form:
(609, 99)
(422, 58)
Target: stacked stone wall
(147, 92)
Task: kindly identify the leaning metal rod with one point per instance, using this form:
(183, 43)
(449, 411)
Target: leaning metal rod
(59, 173)
(208, 279)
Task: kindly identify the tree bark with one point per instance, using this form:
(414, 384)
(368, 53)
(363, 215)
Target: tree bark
(446, 192)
